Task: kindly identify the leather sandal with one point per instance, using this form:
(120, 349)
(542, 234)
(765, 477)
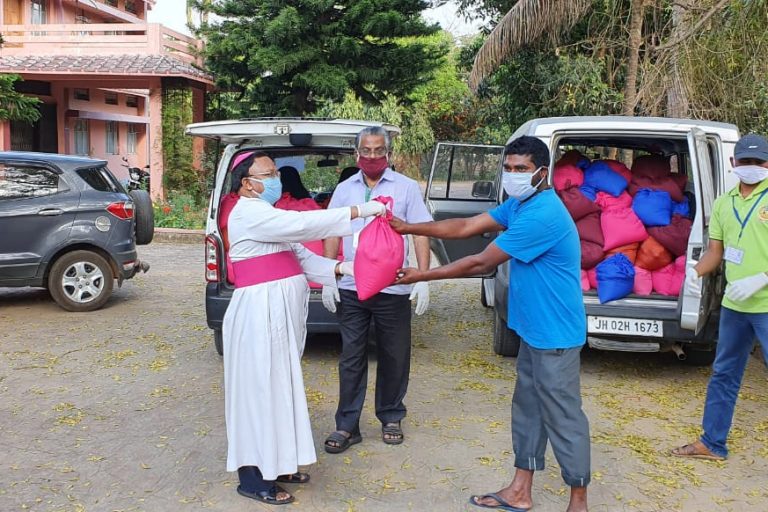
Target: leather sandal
(342, 442)
(296, 478)
(392, 433)
(269, 497)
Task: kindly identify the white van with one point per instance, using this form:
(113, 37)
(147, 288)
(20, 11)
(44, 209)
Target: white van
(465, 180)
(305, 144)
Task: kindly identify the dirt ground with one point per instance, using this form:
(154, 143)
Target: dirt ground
(122, 410)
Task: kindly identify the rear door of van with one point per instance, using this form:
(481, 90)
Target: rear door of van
(464, 181)
(695, 309)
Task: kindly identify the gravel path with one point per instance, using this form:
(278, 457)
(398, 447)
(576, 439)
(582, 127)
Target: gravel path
(122, 410)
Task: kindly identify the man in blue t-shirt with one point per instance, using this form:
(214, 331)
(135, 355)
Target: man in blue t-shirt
(541, 243)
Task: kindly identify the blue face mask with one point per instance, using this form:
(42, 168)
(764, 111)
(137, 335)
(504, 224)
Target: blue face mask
(273, 189)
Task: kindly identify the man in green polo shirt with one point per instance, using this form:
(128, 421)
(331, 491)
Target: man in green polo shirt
(738, 235)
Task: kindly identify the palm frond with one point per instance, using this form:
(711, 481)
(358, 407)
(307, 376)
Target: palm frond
(526, 22)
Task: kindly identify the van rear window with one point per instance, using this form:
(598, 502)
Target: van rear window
(99, 178)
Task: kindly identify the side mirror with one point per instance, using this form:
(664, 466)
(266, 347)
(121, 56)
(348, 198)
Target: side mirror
(483, 189)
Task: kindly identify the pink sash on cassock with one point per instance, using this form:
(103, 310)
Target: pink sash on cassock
(263, 269)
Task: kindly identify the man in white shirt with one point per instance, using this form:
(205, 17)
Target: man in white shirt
(390, 309)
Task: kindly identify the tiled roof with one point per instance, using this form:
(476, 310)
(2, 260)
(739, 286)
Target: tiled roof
(150, 65)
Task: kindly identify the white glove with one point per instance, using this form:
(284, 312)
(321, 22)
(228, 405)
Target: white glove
(330, 298)
(370, 209)
(347, 268)
(742, 289)
(420, 292)
(692, 282)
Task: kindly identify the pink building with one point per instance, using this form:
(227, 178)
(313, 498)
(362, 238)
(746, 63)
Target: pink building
(100, 70)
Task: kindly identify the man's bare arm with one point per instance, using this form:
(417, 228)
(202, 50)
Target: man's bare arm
(711, 259)
(473, 265)
(453, 229)
(423, 253)
(331, 247)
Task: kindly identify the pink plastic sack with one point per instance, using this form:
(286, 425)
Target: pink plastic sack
(380, 253)
(592, 276)
(668, 280)
(643, 281)
(567, 176)
(584, 281)
(621, 227)
(607, 202)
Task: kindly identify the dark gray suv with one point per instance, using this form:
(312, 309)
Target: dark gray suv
(68, 225)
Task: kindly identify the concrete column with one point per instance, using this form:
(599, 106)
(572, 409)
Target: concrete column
(198, 115)
(156, 139)
(60, 96)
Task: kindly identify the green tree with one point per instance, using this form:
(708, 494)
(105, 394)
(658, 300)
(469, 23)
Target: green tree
(416, 139)
(284, 57)
(179, 175)
(15, 106)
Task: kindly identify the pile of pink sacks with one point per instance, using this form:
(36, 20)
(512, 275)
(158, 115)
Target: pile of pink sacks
(642, 213)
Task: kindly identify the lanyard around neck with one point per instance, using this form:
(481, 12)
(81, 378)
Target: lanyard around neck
(743, 223)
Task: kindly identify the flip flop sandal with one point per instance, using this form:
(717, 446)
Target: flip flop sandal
(296, 478)
(687, 451)
(394, 431)
(269, 497)
(502, 503)
(342, 442)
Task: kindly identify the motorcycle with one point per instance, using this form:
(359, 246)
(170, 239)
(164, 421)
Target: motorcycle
(138, 179)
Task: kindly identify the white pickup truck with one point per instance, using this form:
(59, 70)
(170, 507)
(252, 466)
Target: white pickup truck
(465, 180)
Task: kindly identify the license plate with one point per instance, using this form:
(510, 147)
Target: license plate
(625, 326)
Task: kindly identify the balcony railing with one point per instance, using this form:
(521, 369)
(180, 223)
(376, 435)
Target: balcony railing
(99, 39)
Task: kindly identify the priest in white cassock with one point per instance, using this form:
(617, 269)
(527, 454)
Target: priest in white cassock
(268, 429)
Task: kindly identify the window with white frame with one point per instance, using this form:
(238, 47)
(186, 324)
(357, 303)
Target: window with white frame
(132, 139)
(82, 137)
(111, 137)
(39, 12)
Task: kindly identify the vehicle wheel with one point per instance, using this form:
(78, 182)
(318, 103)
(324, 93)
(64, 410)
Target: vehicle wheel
(218, 340)
(144, 216)
(695, 357)
(505, 341)
(81, 281)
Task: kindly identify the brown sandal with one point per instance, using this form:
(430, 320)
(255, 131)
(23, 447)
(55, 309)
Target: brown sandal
(695, 450)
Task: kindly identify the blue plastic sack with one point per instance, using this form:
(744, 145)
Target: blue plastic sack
(681, 208)
(600, 176)
(615, 278)
(653, 207)
(588, 191)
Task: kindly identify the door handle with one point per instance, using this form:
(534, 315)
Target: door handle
(48, 212)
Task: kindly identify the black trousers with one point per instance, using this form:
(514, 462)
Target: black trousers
(392, 322)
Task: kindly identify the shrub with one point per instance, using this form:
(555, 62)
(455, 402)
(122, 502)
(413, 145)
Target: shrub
(180, 210)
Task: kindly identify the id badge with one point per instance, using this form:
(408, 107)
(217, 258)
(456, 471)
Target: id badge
(355, 239)
(734, 255)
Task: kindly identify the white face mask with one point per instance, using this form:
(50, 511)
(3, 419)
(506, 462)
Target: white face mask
(751, 174)
(518, 184)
